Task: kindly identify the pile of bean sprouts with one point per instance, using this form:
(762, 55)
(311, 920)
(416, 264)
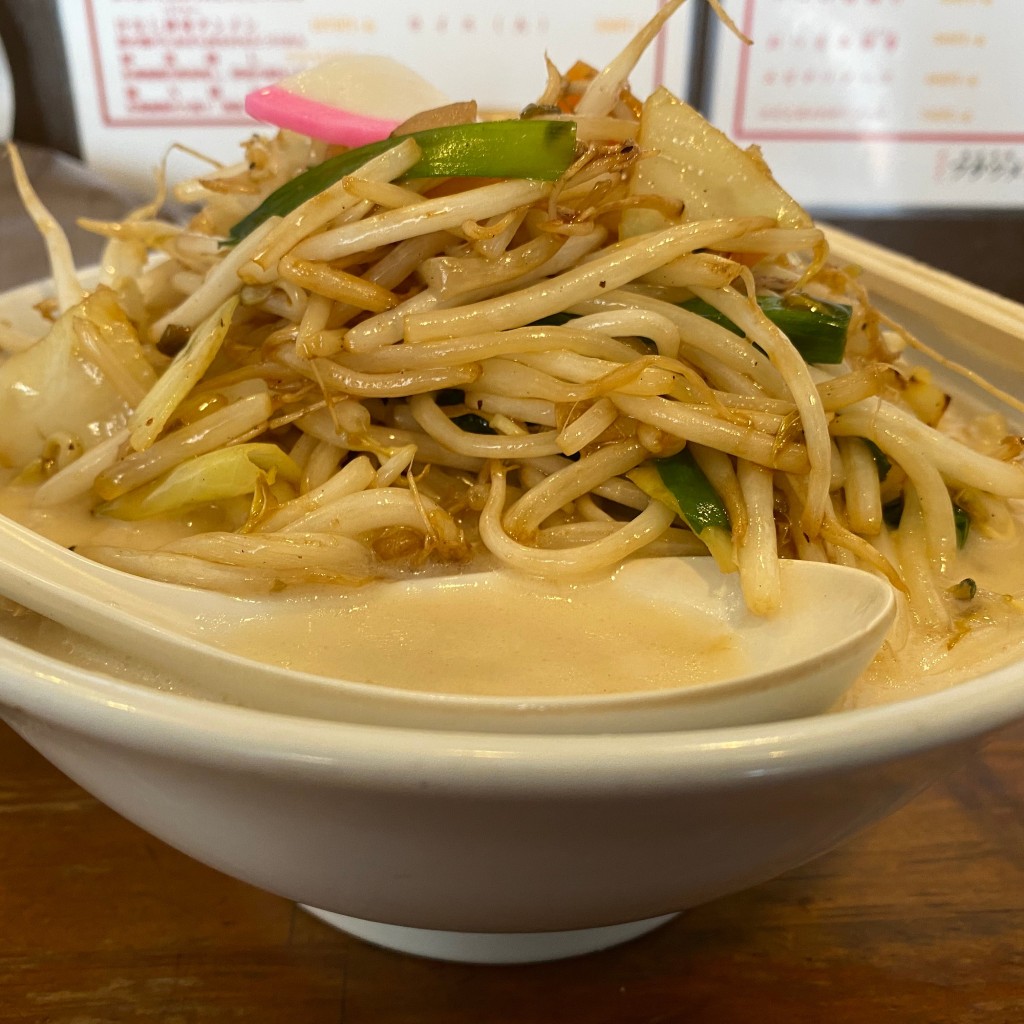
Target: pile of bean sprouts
(362, 332)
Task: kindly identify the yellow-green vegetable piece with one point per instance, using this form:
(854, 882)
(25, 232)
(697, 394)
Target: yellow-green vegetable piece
(227, 473)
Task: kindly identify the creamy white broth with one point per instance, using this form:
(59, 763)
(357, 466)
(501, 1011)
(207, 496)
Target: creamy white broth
(48, 637)
(990, 631)
(72, 523)
(489, 635)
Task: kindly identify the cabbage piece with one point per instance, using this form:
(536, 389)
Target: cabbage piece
(688, 159)
(57, 387)
(216, 476)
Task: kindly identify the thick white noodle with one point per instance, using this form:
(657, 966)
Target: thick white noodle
(424, 218)
(435, 422)
(925, 599)
(861, 488)
(354, 476)
(377, 439)
(616, 266)
(379, 507)
(694, 423)
(644, 323)
(588, 426)
(744, 312)
(572, 562)
(567, 484)
(477, 347)
(936, 507)
(698, 336)
(954, 460)
(757, 552)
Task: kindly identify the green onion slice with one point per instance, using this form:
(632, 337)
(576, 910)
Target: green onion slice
(817, 329)
(539, 149)
(473, 424)
(680, 483)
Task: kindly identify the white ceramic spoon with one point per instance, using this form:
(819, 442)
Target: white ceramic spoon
(796, 662)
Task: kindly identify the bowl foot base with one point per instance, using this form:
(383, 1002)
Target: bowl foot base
(489, 947)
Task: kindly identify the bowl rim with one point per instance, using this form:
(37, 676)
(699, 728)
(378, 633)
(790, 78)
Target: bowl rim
(37, 690)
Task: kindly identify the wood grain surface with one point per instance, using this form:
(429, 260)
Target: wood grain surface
(918, 921)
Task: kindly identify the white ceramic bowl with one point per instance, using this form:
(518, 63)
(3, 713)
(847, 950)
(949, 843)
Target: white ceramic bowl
(562, 843)
(483, 846)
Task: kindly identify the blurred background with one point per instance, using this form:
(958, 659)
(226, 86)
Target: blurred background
(898, 120)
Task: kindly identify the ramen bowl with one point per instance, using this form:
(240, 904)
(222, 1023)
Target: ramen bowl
(501, 846)
(483, 846)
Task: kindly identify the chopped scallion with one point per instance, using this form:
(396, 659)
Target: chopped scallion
(539, 149)
(680, 483)
(473, 424)
(817, 329)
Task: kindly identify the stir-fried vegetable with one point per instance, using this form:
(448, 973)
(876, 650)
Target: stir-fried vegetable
(81, 380)
(473, 423)
(227, 473)
(694, 162)
(816, 328)
(538, 149)
(682, 485)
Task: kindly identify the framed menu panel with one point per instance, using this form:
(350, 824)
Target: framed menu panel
(879, 103)
(146, 73)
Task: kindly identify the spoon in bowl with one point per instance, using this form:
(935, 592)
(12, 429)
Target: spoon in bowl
(796, 662)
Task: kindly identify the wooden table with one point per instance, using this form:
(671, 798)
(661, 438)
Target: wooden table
(918, 921)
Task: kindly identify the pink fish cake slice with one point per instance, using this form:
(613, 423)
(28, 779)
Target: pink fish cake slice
(350, 100)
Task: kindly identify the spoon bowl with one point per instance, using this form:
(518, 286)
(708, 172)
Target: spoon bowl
(731, 667)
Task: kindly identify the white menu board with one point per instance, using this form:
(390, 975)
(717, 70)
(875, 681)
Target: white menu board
(879, 103)
(147, 73)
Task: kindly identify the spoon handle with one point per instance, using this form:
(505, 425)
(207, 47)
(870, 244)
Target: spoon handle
(147, 620)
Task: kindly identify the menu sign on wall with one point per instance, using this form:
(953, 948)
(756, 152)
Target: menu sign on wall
(879, 103)
(147, 73)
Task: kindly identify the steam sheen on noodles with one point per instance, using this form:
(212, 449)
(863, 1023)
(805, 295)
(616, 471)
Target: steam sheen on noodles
(644, 352)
